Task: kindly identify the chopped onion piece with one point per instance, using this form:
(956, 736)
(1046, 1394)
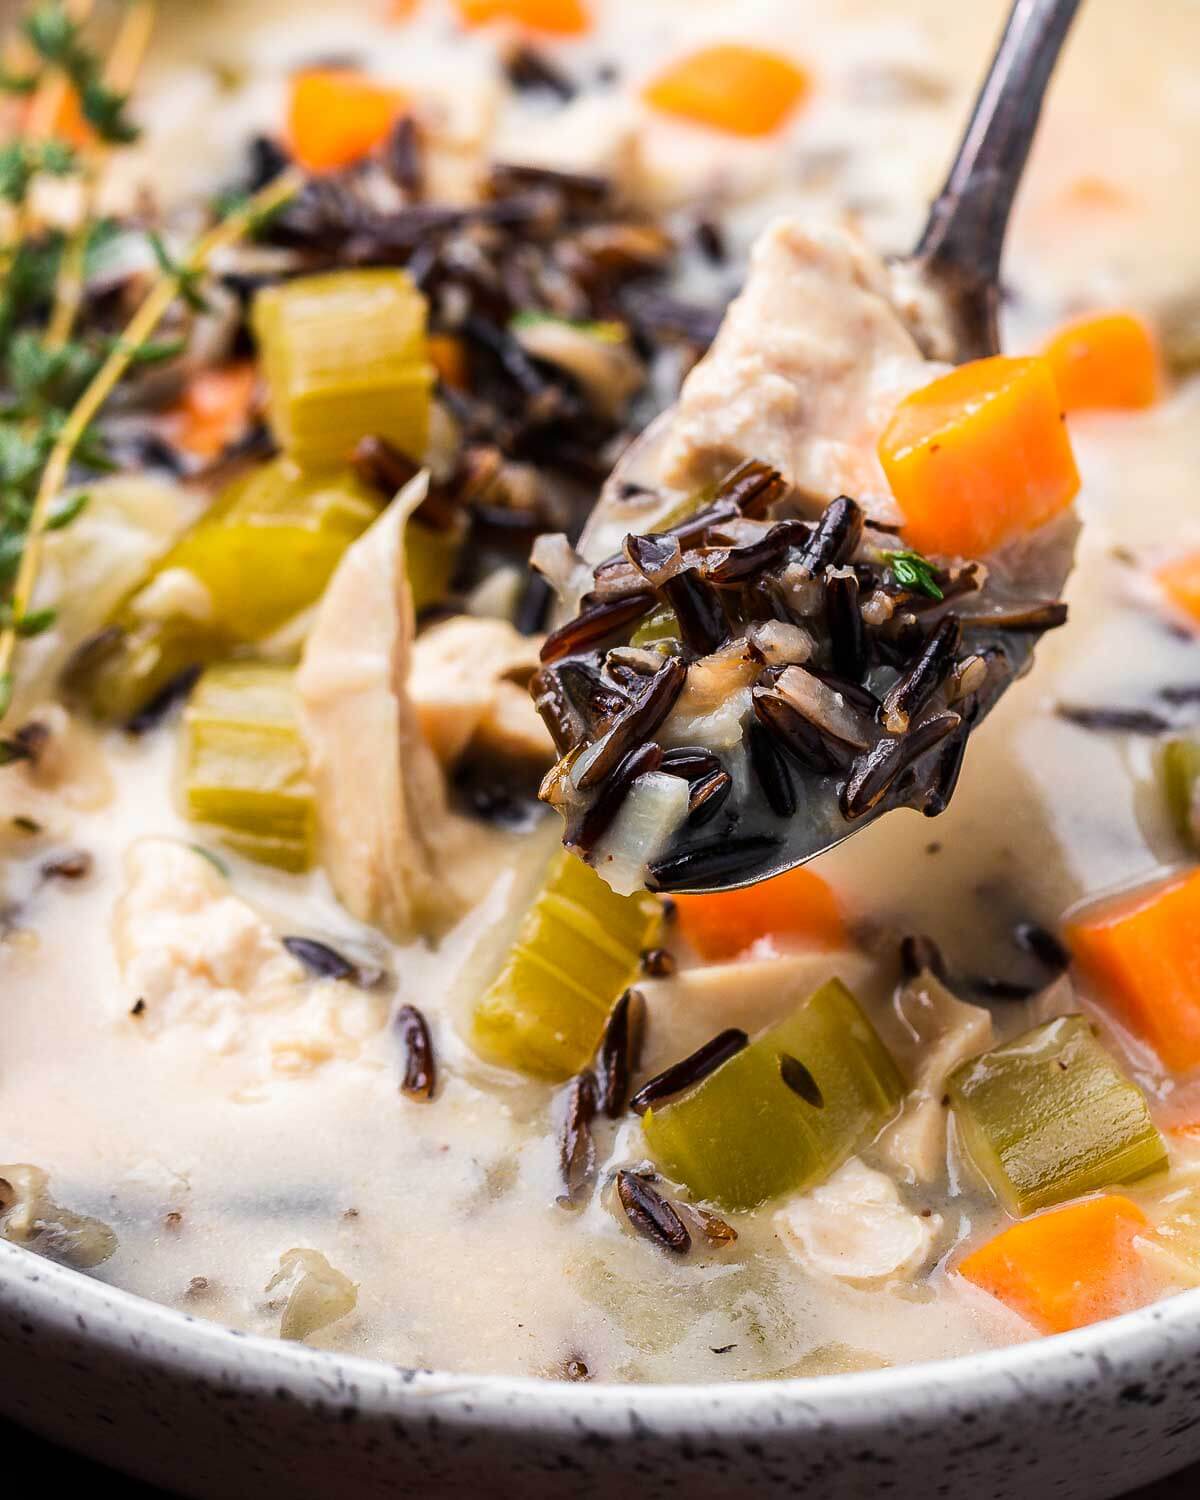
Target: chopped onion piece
(656, 806)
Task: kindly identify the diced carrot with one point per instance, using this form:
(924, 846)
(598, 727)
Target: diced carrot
(1108, 361)
(979, 456)
(448, 356)
(215, 409)
(1180, 581)
(1144, 955)
(797, 905)
(337, 116)
(742, 90)
(1065, 1268)
(67, 122)
(556, 17)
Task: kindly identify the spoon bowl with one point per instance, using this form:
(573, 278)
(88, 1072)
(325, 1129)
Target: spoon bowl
(956, 263)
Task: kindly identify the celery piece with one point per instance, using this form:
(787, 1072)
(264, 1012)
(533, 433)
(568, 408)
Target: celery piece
(345, 358)
(245, 770)
(576, 950)
(429, 560)
(659, 628)
(261, 556)
(1049, 1116)
(743, 1134)
(1181, 782)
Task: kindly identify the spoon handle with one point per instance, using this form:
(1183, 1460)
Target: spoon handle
(963, 238)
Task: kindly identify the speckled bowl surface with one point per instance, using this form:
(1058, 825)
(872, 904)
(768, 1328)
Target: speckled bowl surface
(211, 1413)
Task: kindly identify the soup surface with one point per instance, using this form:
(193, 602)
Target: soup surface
(243, 1070)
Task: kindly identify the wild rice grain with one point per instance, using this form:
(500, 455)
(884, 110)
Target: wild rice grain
(620, 1051)
(651, 1214)
(690, 1070)
(420, 1076)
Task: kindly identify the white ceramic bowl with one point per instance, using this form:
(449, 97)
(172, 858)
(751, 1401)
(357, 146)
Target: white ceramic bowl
(211, 1413)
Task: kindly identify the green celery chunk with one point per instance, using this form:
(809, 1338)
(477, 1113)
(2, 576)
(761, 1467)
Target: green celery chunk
(742, 1135)
(259, 558)
(660, 627)
(1181, 782)
(1049, 1116)
(576, 950)
(430, 557)
(245, 769)
(345, 357)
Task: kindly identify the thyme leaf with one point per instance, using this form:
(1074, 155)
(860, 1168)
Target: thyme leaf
(912, 571)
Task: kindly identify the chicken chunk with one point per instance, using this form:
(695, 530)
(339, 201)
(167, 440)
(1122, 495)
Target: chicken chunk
(29, 1216)
(947, 1031)
(192, 953)
(469, 685)
(385, 828)
(856, 1227)
(809, 362)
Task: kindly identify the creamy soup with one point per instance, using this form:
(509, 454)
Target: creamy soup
(309, 1026)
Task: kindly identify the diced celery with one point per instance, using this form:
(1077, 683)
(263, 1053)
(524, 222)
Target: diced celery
(345, 357)
(659, 627)
(576, 950)
(429, 559)
(261, 556)
(743, 1135)
(1181, 782)
(245, 770)
(1049, 1116)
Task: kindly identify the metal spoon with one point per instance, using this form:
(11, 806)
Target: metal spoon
(958, 258)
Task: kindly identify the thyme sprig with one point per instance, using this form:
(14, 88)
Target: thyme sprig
(74, 431)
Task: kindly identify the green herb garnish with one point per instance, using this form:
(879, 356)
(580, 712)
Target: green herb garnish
(912, 571)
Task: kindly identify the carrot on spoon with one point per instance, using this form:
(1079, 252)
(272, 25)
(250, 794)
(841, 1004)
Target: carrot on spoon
(796, 905)
(979, 456)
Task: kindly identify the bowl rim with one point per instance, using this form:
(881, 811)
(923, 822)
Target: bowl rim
(113, 1319)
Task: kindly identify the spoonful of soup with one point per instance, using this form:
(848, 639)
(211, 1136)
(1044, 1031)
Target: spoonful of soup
(807, 583)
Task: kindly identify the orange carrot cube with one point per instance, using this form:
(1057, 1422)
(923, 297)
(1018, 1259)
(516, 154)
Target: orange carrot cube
(1180, 581)
(741, 90)
(214, 410)
(795, 905)
(1108, 361)
(1143, 953)
(979, 456)
(337, 116)
(448, 356)
(554, 17)
(1065, 1268)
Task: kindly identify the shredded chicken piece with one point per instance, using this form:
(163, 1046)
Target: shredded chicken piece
(715, 701)
(947, 1031)
(29, 1216)
(857, 1228)
(386, 832)
(193, 953)
(469, 684)
(809, 363)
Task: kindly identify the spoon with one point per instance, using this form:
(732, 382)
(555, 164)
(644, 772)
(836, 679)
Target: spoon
(957, 259)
